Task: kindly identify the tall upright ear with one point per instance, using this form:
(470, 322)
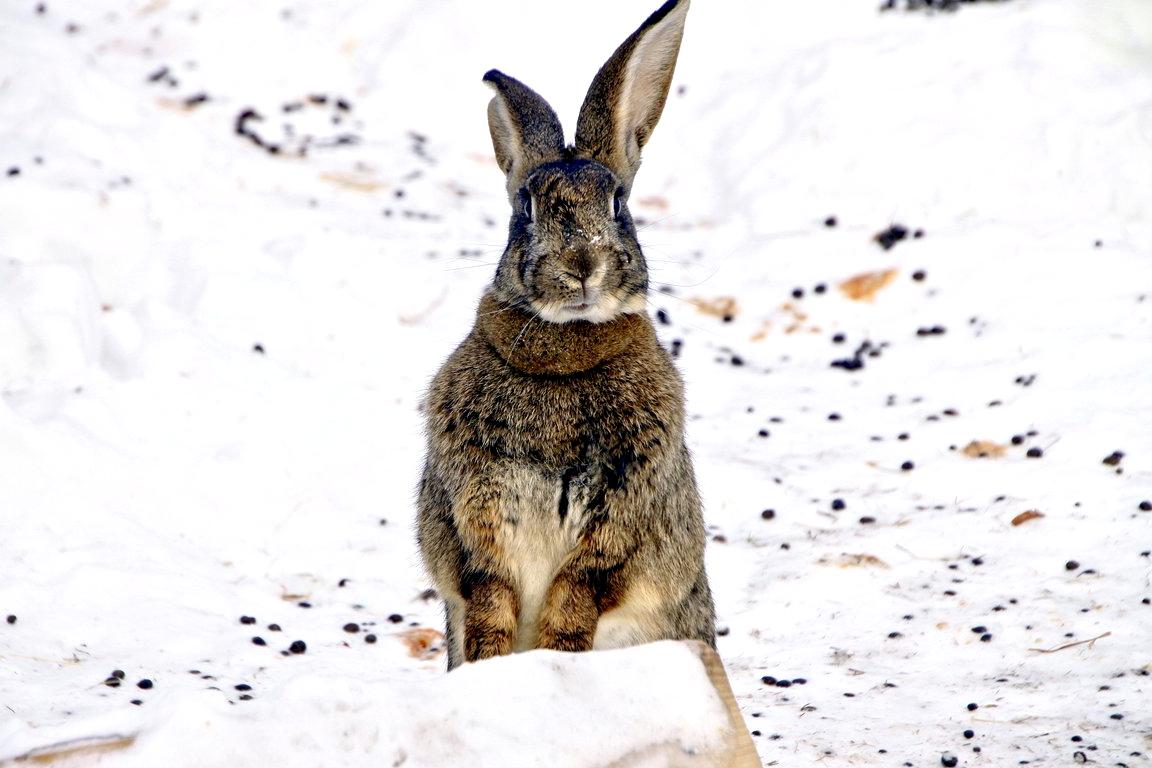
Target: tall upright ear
(525, 130)
(628, 93)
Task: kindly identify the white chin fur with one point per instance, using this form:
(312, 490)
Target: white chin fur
(600, 312)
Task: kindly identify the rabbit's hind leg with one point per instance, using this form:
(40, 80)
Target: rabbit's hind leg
(454, 631)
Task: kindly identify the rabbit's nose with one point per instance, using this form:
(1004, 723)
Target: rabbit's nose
(583, 264)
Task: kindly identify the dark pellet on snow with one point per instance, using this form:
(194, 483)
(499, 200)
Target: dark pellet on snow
(986, 637)
(837, 338)
(14, 171)
(1071, 565)
(768, 680)
(763, 433)
(662, 317)
(258, 348)
(304, 604)
(137, 702)
(907, 466)
(11, 618)
(245, 697)
(247, 619)
(830, 222)
(369, 638)
(838, 504)
(1145, 506)
(972, 706)
(144, 684)
(948, 760)
(737, 361)
(1034, 453)
(819, 288)
(889, 237)
(799, 681)
(258, 641)
(867, 520)
(118, 674)
(919, 275)
(1113, 458)
(112, 682)
(395, 618)
(980, 629)
(768, 514)
(969, 733)
(242, 687)
(783, 683)
(1116, 716)
(273, 627)
(351, 628)
(342, 583)
(298, 646)
(833, 417)
(797, 293)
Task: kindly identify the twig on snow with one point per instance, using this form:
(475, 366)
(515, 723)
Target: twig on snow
(1089, 641)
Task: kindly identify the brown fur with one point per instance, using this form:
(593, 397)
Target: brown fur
(616, 427)
(558, 507)
(533, 346)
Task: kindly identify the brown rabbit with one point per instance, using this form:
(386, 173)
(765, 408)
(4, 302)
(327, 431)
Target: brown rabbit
(558, 507)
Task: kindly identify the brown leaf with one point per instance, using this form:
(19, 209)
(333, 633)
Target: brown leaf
(1024, 517)
(423, 642)
(654, 201)
(984, 449)
(865, 286)
(847, 560)
(360, 182)
(721, 306)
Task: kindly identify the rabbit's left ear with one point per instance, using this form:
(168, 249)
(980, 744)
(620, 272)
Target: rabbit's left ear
(525, 129)
(628, 93)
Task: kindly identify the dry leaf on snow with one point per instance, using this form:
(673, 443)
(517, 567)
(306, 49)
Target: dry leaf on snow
(984, 449)
(864, 287)
(423, 643)
(847, 560)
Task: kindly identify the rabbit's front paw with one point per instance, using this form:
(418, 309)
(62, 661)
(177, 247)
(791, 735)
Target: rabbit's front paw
(490, 612)
(568, 619)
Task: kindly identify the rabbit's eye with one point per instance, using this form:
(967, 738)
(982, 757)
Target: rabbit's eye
(617, 202)
(526, 203)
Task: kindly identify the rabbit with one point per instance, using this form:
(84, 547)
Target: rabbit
(558, 507)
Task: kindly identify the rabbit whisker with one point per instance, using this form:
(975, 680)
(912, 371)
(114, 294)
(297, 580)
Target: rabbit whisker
(516, 341)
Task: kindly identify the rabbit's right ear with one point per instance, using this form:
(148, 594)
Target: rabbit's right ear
(628, 93)
(525, 130)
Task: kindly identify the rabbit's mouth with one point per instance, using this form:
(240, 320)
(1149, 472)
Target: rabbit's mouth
(600, 307)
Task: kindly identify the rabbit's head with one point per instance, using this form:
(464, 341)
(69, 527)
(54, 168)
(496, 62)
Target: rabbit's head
(572, 251)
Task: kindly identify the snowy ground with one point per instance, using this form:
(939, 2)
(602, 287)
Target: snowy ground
(211, 357)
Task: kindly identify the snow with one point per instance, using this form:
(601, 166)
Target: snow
(162, 478)
(378, 720)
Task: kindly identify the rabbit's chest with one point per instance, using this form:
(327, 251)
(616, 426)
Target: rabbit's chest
(541, 522)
